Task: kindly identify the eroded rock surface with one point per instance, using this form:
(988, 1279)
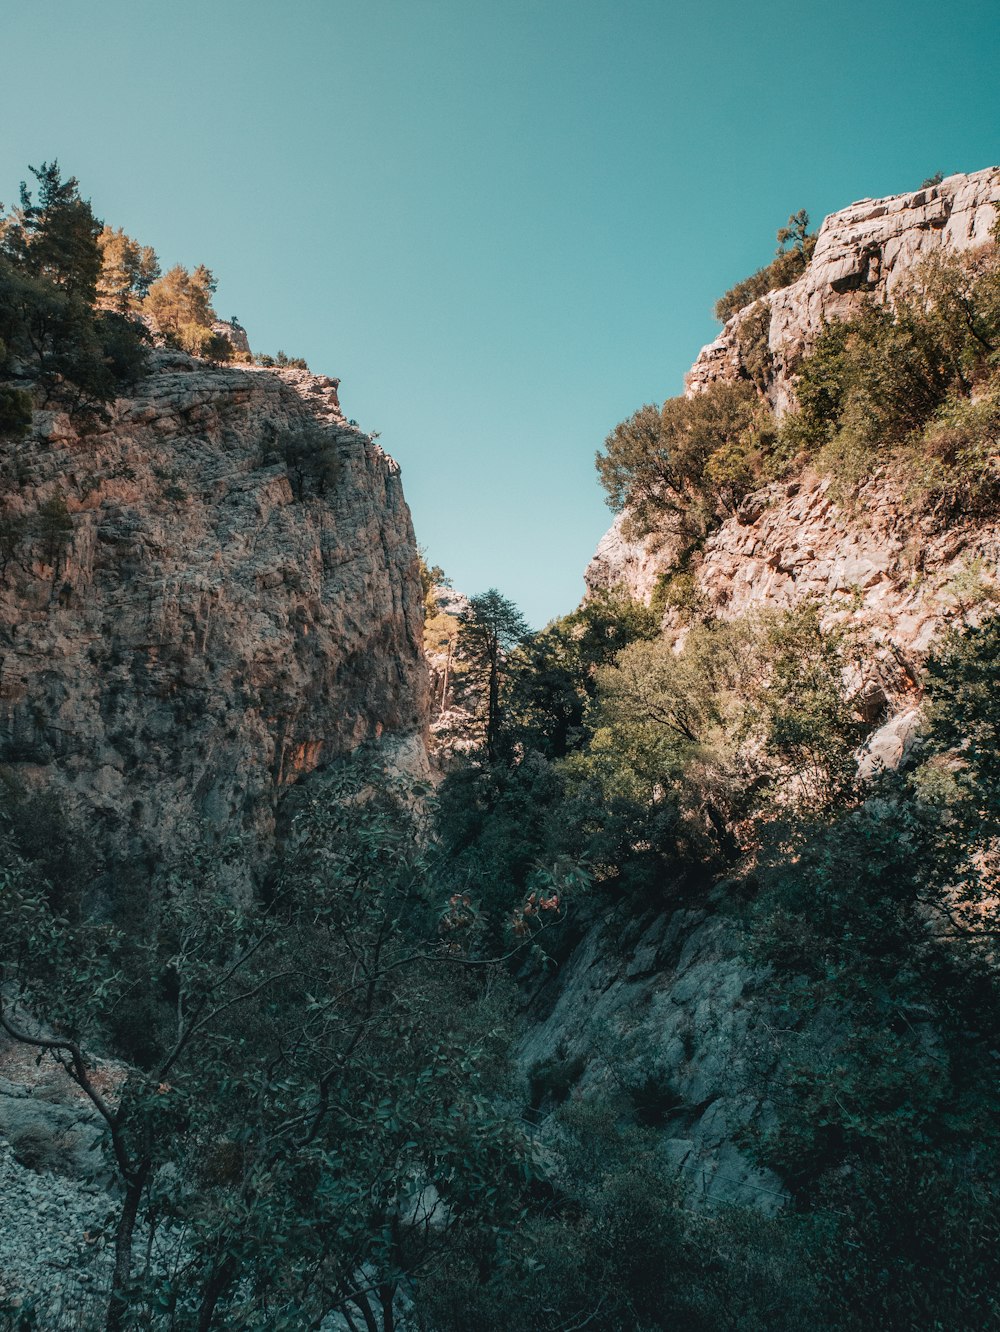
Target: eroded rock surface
(665, 1011)
(864, 251)
(200, 634)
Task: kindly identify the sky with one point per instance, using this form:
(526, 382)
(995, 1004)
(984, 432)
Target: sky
(502, 223)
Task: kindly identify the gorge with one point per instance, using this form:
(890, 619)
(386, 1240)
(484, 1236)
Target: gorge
(666, 997)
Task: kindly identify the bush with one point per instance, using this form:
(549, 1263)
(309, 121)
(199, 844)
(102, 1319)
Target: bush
(690, 462)
(782, 271)
(15, 413)
(909, 385)
(310, 457)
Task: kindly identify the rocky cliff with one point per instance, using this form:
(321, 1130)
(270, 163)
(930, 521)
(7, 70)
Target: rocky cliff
(897, 578)
(864, 251)
(187, 623)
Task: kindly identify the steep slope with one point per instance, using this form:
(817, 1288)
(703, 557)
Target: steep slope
(865, 250)
(199, 626)
(670, 995)
(788, 542)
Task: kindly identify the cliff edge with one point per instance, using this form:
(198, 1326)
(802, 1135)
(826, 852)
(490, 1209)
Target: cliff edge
(192, 616)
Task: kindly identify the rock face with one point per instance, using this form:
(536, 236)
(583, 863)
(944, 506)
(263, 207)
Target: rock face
(665, 1009)
(902, 584)
(870, 564)
(625, 565)
(788, 543)
(865, 250)
(200, 626)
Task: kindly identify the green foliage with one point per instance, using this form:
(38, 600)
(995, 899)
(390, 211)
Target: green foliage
(749, 719)
(55, 238)
(309, 455)
(952, 467)
(753, 343)
(15, 413)
(358, 1150)
(690, 463)
(611, 1245)
(552, 677)
(281, 362)
(880, 934)
(492, 627)
(52, 529)
(902, 386)
(795, 247)
(180, 302)
(431, 576)
(49, 266)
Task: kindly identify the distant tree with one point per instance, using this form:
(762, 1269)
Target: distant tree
(310, 457)
(128, 270)
(657, 462)
(181, 304)
(795, 247)
(794, 235)
(493, 626)
(931, 181)
(50, 263)
(15, 413)
(53, 529)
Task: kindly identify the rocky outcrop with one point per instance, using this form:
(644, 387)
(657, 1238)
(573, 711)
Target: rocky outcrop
(870, 564)
(864, 251)
(202, 624)
(665, 1012)
(901, 581)
(234, 333)
(623, 565)
(898, 577)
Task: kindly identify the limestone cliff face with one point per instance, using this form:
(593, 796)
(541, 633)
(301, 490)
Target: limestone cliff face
(898, 579)
(866, 250)
(192, 636)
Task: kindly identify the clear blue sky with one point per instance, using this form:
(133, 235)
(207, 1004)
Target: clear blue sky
(503, 224)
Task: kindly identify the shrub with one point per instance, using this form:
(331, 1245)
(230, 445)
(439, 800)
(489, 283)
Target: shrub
(953, 465)
(902, 383)
(689, 463)
(787, 265)
(310, 457)
(15, 413)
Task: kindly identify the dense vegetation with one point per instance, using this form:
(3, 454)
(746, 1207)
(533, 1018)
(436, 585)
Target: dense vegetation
(78, 301)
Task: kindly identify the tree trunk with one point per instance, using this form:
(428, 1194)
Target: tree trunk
(493, 710)
(387, 1294)
(118, 1306)
(216, 1286)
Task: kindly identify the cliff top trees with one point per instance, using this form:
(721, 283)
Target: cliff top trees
(128, 270)
(50, 265)
(55, 238)
(181, 303)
